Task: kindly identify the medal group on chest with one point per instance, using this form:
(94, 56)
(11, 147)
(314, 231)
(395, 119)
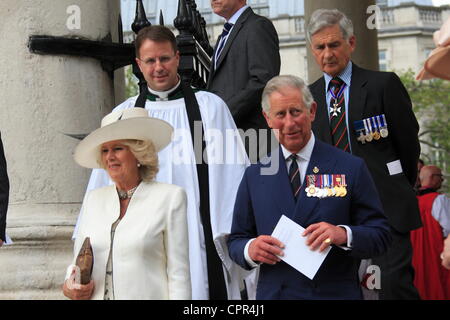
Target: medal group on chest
(326, 185)
(370, 129)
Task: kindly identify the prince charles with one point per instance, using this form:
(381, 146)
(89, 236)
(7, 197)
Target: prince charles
(323, 189)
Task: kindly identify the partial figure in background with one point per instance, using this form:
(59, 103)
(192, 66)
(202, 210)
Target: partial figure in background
(420, 165)
(431, 279)
(369, 114)
(137, 226)
(445, 255)
(245, 57)
(4, 194)
(438, 66)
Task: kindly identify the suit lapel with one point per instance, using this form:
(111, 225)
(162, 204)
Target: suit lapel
(213, 65)
(279, 187)
(321, 120)
(305, 205)
(357, 103)
(236, 28)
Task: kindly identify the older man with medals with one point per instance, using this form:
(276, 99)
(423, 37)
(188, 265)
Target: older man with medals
(371, 102)
(333, 198)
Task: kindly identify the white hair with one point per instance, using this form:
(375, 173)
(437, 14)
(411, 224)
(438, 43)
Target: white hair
(323, 18)
(290, 81)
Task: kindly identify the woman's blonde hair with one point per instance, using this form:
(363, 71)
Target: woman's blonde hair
(145, 154)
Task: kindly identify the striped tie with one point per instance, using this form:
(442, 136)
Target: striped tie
(226, 29)
(294, 175)
(338, 123)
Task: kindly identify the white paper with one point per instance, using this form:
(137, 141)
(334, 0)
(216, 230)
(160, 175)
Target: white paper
(394, 167)
(296, 253)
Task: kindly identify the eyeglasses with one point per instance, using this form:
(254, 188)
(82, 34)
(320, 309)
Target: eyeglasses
(162, 60)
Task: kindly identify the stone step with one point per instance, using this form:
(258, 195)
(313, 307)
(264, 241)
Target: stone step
(34, 266)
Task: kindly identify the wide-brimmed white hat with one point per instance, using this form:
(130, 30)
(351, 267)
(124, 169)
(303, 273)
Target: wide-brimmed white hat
(132, 123)
(437, 64)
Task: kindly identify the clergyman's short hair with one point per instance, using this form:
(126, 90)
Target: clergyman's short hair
(155, 33)
(286, 81)
(323, 18)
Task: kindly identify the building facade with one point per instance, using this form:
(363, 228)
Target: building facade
(405, 36)
(405, 29)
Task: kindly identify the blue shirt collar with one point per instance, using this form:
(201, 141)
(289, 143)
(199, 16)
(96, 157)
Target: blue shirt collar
(237, 14)
(345, 75)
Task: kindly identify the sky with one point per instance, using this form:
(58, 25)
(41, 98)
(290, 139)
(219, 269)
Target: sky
(440, 2)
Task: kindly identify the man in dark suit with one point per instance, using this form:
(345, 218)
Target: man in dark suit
(4, 194)
(327, 191)
(369, 114)
(246, 56)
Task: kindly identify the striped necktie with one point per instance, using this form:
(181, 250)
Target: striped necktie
(226, 30)
(338, 125)
(294, 175)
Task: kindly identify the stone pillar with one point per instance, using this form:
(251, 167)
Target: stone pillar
(42, 97)
(366, 53)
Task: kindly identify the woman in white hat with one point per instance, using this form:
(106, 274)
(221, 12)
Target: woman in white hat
(137, 227)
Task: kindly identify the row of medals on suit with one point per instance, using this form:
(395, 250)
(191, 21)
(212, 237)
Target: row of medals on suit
(326, 185)
(371, 129)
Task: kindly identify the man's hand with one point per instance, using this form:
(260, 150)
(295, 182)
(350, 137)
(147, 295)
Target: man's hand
(321, 235)
(1, 242)
(265, 249)
(445, 255)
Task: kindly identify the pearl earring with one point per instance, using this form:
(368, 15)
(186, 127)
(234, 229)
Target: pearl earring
(139, 165)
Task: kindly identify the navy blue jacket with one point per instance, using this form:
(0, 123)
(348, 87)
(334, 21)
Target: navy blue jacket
(262, 199)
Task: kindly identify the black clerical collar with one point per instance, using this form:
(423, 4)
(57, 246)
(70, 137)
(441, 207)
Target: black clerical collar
(422, 192)
(176, 93)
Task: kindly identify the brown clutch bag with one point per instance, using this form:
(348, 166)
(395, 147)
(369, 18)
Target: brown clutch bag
(85, 261)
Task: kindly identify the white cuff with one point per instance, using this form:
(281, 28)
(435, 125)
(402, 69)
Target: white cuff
(249, 260)
(349, 237)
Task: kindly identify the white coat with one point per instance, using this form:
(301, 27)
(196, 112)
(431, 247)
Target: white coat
(150, 250)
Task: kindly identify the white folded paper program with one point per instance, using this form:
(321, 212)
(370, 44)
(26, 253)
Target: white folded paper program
(296, 253)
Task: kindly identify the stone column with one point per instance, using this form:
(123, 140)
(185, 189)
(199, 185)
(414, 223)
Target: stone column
(366, 53)
(42, 97)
